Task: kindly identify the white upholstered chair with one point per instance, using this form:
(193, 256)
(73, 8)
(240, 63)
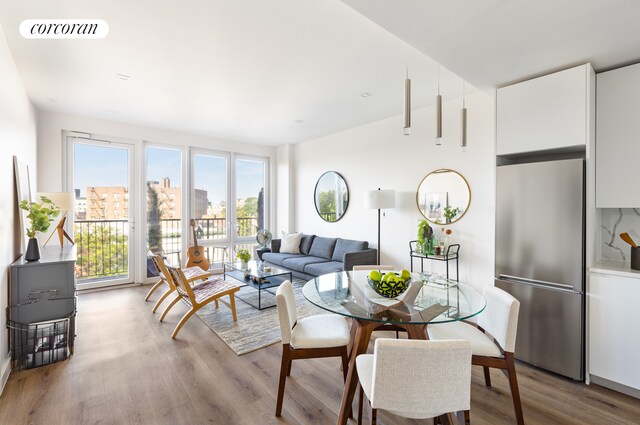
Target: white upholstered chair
(374, 267)
(416, 379)
(493, 340)
(324, 335)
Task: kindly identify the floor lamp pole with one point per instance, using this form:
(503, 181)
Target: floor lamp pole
(378, 235)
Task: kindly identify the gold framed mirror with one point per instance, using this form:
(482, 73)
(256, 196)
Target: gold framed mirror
(443, 196)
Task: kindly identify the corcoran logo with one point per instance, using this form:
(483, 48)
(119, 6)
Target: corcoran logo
(64, 28)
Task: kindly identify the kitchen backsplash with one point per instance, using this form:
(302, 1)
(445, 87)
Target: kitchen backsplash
(616, 221)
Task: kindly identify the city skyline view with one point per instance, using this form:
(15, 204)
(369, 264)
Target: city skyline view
(107, 166)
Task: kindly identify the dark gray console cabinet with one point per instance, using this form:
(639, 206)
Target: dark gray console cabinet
(51, 281)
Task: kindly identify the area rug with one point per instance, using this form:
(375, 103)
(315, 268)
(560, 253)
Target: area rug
(254, 328)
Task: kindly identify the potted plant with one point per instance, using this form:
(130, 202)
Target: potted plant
(244, 256)
(425, 237)
(40, 216)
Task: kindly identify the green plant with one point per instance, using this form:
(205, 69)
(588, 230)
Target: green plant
(450, 213)
(423, 231)
(40, 215)
(243, 255)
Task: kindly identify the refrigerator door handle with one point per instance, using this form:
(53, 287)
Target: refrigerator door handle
(534, 282)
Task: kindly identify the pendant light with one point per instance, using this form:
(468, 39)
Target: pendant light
(438, 113)
(463, 116)
(407, 104)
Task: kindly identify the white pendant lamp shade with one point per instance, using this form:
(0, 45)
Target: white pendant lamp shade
(380, 199)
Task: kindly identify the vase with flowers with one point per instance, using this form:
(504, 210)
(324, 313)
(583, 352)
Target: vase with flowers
(40, 215)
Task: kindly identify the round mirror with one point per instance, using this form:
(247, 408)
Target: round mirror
(443, 196)
(331, 196)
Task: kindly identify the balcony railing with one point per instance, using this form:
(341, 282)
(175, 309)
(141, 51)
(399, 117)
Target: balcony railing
(103, 247)
(103, 244)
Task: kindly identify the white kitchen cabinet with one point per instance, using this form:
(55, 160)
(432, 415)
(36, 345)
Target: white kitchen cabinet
(549, 112)
(614, 326)
(617, 137)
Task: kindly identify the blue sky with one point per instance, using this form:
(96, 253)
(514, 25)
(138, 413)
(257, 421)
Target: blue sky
(107, 166)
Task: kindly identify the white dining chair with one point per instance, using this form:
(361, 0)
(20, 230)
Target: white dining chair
(415, 379)
(493, 339)
(323, 335)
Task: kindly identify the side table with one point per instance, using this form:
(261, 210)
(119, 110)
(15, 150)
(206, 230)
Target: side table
(451, 254)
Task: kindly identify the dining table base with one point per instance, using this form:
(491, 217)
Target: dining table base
(361, 335)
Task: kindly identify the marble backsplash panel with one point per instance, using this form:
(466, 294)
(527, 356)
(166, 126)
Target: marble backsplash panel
(613, 222)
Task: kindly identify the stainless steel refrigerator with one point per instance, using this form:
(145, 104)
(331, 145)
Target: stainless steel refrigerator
(540, 257)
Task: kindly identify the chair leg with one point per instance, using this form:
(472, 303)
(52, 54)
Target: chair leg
(448, 419)
(183, 321)
(515, 391)
(152, 290)
(285, 365)
(360, 405)
(171, 304)
(373, 413)
(487, 376)
(232, 304)
(345, 363)
(289, 367)
(467, 417)
(161, 300)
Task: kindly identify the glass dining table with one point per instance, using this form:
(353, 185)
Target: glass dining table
(428, 299)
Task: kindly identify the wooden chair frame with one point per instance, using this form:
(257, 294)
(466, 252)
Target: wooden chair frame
(289, 354)
(508, 367)
(165, 277)
(186, 292)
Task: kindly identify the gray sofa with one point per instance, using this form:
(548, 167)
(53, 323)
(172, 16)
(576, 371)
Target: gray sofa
(320, 255)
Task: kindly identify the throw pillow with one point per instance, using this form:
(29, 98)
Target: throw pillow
(290, 243)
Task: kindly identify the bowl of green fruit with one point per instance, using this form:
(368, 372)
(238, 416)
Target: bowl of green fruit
(391, 284)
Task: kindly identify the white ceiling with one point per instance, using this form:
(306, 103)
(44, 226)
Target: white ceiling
(492, 43)
(246, 70)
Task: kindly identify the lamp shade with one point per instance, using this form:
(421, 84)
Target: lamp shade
(64, 200)
(380, 199)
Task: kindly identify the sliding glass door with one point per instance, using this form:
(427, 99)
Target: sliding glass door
(99, 174)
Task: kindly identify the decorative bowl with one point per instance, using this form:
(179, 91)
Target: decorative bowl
(389, 289)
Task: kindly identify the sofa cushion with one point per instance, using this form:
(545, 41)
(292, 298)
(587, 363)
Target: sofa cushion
(299, 262)
(318, 269)
(347, 245)
(305, 243)
(277, 258)
(322, 247)
(290, 243)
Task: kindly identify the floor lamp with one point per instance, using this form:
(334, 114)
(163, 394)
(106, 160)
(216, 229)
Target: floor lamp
(65, 201)
(379, 200)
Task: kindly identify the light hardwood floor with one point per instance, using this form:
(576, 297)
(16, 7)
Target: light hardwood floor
(128, 370)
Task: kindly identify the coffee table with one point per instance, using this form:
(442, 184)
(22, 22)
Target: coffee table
(258, 278)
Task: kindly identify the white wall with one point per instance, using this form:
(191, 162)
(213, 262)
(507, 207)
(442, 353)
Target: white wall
(17, 137)
(285, 184)
(378, 155)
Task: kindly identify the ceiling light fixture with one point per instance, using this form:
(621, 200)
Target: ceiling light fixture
(438, 113)
(463, 131)
(123, 77)
(365, 94)
(299, 121)
(407, 104)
